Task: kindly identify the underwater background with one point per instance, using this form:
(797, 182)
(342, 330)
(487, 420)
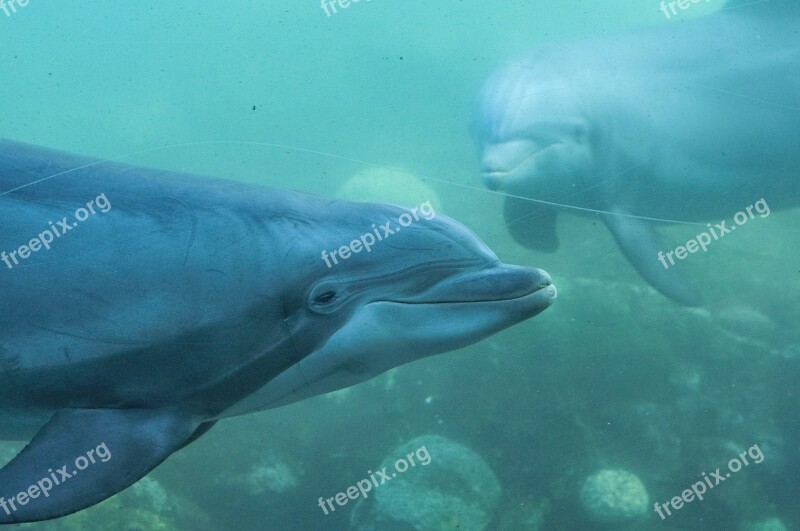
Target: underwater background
(614, 387)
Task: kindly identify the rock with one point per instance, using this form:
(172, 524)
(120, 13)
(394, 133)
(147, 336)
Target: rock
(614, 495)
(456, 490)
(273, 475)
(770, 524)
(386, 185)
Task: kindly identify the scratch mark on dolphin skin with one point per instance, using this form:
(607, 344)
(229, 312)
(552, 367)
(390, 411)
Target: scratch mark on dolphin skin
(194, 226)
(126, 342)
(94, 298)
(9, 363)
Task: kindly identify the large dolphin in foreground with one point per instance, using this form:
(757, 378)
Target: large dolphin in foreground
(690, 120)
(164, 302)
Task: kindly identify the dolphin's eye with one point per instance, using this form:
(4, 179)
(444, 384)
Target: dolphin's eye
(326, 297)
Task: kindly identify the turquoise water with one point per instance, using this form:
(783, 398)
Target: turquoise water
(374, 103)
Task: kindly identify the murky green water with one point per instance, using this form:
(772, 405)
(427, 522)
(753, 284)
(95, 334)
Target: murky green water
(374, 103)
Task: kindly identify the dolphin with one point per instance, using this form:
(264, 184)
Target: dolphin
(169, 301)
(688, 121)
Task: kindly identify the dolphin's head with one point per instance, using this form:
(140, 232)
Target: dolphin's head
(531, 133)
(382, 285)
(428, 285)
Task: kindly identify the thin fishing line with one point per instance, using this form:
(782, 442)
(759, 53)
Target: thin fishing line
(358, 161)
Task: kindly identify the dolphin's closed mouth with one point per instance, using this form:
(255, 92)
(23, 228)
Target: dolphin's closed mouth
(494, 284)
(493, 177)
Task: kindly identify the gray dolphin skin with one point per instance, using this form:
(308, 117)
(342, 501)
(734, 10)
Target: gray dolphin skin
(688, 120)
(187, 299)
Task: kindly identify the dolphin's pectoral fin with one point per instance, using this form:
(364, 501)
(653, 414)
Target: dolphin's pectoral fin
(641, 244)
(83, 456)
(531, 224)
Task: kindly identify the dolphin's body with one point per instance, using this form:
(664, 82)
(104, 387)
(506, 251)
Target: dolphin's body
(691, 120)
(192, 299)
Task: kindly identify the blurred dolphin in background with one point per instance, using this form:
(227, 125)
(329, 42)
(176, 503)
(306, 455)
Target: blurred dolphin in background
(690, 121)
